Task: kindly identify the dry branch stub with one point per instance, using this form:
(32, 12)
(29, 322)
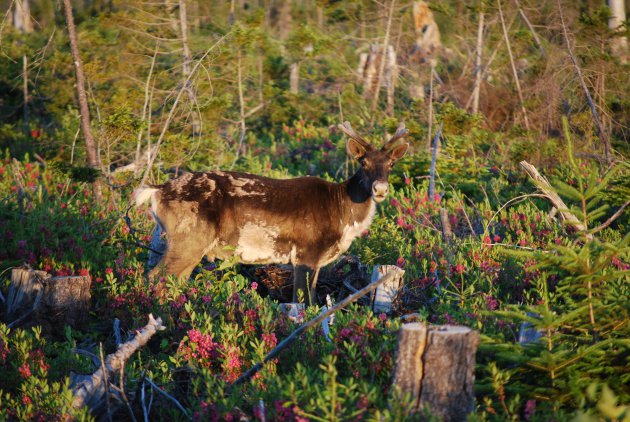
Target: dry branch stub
(50, 301)
(385, 294)
(436, 366)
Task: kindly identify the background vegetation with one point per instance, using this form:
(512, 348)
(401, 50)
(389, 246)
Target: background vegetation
(215, 87)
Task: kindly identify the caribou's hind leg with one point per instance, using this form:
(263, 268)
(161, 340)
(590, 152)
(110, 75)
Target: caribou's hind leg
(303, 276)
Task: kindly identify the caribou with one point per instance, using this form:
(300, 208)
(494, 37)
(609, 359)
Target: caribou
(306, 221)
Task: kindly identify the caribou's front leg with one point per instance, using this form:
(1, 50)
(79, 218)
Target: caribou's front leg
(302, 277)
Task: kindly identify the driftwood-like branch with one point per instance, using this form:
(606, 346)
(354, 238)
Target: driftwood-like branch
(611, 219)
(544, 185)
(90, 390)
(313, 322)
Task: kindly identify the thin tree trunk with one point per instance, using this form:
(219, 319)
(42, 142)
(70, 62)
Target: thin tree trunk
(531, 28)
(146, 109)
(381, 69)
(514, 72)
(90, 144)
(22, 16)
(619, 45)
(241, 102)
(183, 23)
(430, 124)
(478, 70)
(25, 93)
(603, 136)
(294, 77)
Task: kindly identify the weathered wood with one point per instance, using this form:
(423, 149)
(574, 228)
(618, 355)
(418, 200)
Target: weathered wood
(436, 365)
(45, 300)
(90, 389)
(545, 187)
(412, 340)
(385, 294)
(25, 291)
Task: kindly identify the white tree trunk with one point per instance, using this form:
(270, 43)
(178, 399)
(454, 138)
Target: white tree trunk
(619, 45)
(22, 16)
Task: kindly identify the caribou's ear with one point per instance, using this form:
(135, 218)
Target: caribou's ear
(398, 152)
(355, 149)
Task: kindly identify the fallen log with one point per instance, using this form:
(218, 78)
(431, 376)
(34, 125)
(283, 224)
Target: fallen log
(435, 365)
(88, 390)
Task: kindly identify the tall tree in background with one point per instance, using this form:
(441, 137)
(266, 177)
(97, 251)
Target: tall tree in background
(90, 145)
(22, 16)
(617, 18)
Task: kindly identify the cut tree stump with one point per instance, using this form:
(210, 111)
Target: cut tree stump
(436, 366)
(385, 294)
(40, 299)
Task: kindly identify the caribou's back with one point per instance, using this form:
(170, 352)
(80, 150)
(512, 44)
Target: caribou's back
(261, 220)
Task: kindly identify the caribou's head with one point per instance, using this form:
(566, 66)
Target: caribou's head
(375, 163)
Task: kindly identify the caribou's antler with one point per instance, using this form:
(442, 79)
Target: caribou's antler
(401, 132)
(347, 129)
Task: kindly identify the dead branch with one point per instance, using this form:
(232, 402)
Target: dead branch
(544, 185)
(90, 390)
(313, 322)
(611, 219)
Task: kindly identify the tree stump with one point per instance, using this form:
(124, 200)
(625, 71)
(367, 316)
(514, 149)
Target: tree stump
(48, 301)
(436, 366)
(385, 294)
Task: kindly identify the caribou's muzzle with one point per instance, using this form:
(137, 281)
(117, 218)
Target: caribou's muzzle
(379, 190)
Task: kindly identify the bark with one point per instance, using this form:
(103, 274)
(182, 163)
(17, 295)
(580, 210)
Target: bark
(436, 366)
(90, 144)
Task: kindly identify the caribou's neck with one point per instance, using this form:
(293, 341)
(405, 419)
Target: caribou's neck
(358, 189)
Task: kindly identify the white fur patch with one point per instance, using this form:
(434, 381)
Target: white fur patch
(143, 194)
(351, 232)
(257, 245)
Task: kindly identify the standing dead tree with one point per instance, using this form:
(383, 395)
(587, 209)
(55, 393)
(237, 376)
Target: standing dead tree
(84, 109)
(601, 132)
(517, 82)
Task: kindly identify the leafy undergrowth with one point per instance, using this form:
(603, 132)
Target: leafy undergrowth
(505, 265)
